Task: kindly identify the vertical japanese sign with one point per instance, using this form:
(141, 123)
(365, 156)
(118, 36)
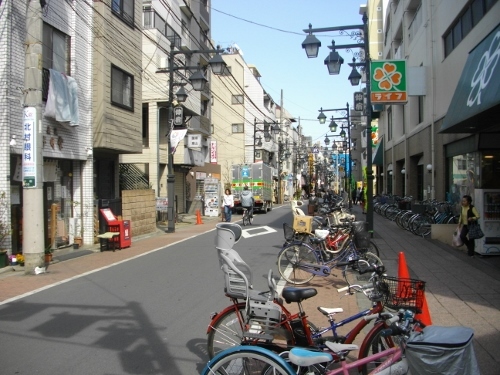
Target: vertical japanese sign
(359, 101)
(388, 82)
(29, 149)
(213, 151)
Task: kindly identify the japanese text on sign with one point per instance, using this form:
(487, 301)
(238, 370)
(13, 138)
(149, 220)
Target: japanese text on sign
(29, 149)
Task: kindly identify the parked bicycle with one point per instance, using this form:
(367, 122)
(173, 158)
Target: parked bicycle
(261, 318)
(413, 344)
(300, 261)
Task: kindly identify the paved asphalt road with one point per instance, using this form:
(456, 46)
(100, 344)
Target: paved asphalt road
(144, 316)
(144, 310)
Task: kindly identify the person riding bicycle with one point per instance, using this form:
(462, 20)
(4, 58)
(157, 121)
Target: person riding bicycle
(247, 200)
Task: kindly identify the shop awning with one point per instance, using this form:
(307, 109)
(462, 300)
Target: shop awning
(378, 153)
(475, 106)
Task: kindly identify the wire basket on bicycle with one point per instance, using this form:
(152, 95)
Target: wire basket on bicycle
(401, 293)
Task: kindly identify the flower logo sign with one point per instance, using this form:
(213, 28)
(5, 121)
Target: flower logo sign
(388, 82)
(484, 71)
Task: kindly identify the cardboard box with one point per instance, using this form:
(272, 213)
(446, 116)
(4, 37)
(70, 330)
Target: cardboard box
(302, 224)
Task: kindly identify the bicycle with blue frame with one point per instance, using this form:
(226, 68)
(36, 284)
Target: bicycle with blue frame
(300, 261)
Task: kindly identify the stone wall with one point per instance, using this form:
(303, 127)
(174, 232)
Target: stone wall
(139, 206)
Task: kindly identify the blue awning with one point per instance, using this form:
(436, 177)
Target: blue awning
(475, 106)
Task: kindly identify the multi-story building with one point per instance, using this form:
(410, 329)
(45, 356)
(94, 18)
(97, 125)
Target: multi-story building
(65, 72)
(185, 27)
(444, 142)
(249, 126)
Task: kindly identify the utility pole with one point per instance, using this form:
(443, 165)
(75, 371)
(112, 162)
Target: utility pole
(33, 224)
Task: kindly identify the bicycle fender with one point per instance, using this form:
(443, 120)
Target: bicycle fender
(217, 316)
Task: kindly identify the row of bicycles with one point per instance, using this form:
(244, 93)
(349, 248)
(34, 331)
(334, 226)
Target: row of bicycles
(416, 217)
(257, 334)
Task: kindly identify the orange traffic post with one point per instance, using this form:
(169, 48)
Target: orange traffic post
(198, 217)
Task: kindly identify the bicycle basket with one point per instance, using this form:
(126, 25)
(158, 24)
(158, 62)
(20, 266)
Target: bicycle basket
(360, 226)
(400, 293)
(362, 240)
(289, 232)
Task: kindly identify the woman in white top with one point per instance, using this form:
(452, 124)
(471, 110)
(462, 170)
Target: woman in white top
(228, 204)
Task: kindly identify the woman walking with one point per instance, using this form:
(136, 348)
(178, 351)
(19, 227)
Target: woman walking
(468, 214)
(228, 204)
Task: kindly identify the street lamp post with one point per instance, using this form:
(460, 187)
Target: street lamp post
(283, 154)
(198, 82)
(268, 128)
(334, 61)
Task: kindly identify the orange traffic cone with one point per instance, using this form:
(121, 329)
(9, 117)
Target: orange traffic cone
(403, 272)
(425, 315)
(198, 217)
(404, 287)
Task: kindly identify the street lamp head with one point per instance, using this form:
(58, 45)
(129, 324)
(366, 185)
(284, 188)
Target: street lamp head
(181, 95)
(311, 44)
(354, 77)
(334, 146)
(321, 116)
(275, 129)
(342, 133)
(333, 126)
(198, 80)
(333, 61)
(327, 140)
(217, 64)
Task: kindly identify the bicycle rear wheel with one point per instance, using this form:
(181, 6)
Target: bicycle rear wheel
(291, 262)
(246, 219)
(227, 331)
(247, 360)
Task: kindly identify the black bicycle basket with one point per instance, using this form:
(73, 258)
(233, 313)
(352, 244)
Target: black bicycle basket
(401, 293)
(360, 226)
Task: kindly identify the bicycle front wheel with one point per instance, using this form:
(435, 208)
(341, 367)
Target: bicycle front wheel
(374, 343)
(247, 360)
(292, 263)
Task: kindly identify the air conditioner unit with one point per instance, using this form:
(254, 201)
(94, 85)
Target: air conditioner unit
(163, 63)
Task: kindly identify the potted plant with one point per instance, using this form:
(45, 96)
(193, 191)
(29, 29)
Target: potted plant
(20, 259)
(48, 254)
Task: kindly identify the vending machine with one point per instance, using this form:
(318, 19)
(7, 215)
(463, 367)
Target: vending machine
(487, 202)
(212, 201)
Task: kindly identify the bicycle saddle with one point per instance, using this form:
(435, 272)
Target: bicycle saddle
(293, 294)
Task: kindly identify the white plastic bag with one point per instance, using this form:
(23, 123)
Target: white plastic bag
(457, 241)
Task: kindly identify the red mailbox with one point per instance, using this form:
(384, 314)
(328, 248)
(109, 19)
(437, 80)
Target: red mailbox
(121, 226)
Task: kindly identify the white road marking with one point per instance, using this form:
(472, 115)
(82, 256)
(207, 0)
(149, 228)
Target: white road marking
(257, 231)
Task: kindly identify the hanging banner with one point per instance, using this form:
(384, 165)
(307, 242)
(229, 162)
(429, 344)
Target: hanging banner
(388, 82)
(175, 137)
(213, 151)
(29, 149)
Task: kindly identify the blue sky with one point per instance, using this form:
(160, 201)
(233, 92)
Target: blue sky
(269, 33)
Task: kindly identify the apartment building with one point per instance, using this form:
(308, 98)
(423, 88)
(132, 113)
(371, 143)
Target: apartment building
(65, 124)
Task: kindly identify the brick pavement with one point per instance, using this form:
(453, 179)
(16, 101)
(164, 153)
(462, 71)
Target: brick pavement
(460, 290)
